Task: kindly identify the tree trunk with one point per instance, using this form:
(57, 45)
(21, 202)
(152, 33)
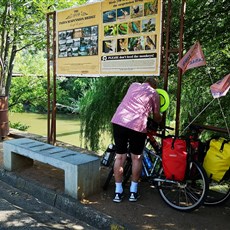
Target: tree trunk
(4, 120)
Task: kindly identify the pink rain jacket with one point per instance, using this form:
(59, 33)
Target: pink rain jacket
(139, 101)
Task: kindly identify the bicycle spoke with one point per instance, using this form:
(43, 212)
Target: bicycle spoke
(187, 195)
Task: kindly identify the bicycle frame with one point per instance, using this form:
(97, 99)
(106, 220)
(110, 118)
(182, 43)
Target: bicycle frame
(185, 195)
(192, 195)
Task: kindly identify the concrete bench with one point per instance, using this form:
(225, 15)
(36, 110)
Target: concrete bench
(82, 171)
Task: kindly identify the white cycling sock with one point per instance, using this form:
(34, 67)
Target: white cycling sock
(119, 188)
(133, 186)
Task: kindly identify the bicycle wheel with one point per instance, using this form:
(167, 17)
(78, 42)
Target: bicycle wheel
(185, 195)
(219, 192)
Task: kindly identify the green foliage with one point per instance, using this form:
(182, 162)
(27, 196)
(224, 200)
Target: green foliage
(30, 64)
(207, 22)
(98, 106)
(19, 126)
(75, 87)
(28, 94)
(23, 27)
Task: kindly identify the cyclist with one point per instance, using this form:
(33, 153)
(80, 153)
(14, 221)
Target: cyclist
(129, 127)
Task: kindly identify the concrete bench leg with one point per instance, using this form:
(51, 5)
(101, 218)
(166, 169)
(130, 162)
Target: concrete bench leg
(13, 161)
(82, 180)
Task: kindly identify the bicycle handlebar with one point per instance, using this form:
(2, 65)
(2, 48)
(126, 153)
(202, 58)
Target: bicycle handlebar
(159, 128)
(154, 126)
(153, 132)
(168, 127)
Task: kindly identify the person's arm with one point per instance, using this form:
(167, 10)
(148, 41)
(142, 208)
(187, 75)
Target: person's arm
(157, 117)
(156, 109)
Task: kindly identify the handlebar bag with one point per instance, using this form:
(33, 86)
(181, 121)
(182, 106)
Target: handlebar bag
(217, 159)
(174, 158)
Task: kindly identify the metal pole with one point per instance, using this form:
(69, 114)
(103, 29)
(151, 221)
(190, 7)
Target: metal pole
(166, 28)
(167, 46)
(180, 71)
(54, 81)
(48, 75)
(162, 37)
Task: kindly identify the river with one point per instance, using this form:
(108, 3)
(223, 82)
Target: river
(67, 127)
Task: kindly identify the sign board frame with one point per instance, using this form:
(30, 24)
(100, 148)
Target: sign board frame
(110, 38)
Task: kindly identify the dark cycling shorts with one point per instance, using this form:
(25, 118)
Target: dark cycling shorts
(123, 136)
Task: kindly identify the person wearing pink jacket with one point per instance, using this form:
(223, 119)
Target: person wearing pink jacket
(130, 127)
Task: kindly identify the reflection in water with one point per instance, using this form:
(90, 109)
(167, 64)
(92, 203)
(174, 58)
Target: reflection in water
(67, 126)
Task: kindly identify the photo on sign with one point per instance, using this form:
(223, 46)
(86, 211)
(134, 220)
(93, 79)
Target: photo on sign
(78, 42)
(150, 42)
(110, 30)
(134, 27)
(136, 43)
(123, 13)
(137, 11)
(150, 8)
(149, 25)
(122, 28)
(109, 16)
(109, 46)
(122, 45)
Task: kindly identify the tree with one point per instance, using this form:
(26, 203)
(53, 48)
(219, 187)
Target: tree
(23, 27)
(208, 22)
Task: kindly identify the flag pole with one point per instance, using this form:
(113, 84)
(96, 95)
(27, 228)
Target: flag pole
(221, 109)
(198, 115)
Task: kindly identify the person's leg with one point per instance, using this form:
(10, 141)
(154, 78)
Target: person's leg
(118, 175)
(136, 172)
(120, 138)
(118, 169)
(136, 167)
(137, 142)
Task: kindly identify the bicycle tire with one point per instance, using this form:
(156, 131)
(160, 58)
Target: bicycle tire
(219, 193)
(186, 195)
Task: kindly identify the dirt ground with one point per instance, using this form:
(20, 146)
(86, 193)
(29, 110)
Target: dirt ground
(151, 212)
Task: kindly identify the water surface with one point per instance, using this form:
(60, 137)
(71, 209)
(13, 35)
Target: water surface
(67, 127)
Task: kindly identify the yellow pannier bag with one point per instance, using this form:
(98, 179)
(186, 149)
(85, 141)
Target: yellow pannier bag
(217, 160)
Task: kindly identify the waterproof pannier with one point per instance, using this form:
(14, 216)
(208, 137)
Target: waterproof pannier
(217, 159)
(174, 158)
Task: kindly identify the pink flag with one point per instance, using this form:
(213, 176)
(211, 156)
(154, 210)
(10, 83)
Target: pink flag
(193, 58)
(221, 87)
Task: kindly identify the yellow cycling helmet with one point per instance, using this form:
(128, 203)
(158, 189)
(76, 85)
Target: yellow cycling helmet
(164, 99)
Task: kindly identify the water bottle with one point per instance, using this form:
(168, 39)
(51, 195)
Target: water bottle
(147, 161)
(108, 155)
